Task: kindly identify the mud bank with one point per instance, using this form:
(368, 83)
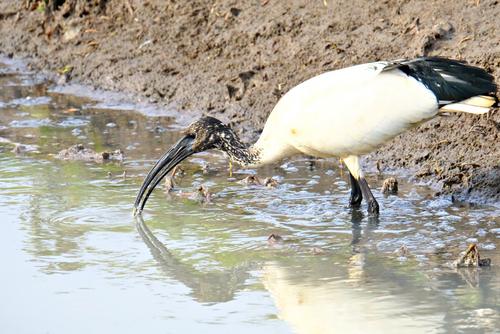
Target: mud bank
(233, 60)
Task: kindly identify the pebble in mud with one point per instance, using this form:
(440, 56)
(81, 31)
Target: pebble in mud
(390, 186)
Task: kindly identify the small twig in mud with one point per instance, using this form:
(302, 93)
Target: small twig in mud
(463, 40)
(477, 128)
(442, 142)
(129, 7)
(471, 164)
(379, 166)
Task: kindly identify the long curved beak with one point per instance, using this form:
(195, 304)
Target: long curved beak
(180, 151)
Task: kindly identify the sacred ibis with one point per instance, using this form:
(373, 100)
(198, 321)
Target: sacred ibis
(344, 113)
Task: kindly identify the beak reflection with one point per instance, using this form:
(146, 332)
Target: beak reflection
(180, 151)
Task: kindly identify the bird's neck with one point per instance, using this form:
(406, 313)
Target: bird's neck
(266, 150)
(243, 154)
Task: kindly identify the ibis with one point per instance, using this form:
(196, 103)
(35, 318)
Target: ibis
(344, 113)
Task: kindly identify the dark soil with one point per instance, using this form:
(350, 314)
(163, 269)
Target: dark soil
(234, 59)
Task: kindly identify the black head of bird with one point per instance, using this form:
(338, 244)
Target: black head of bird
(209, 133)
(204, 134)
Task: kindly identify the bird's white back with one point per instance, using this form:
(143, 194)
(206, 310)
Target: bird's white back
(347, 112)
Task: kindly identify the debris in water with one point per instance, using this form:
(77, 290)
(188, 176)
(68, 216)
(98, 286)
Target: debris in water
(251, 180)
(70, 110)
(390, 186)
(169, 183)
(255, 180)
(178, 171)
(169, 179)
(402, 251)
(274, 239)
(317, 251)
(80, 153)
(202, 194)
(270, 182)
(19, 148)
(206, 169)
(471, 258)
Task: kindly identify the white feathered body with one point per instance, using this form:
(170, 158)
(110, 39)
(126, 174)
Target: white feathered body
(346, 112)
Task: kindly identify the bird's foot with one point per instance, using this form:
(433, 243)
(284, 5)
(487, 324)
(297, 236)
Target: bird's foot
(355, 201)
(373, 208)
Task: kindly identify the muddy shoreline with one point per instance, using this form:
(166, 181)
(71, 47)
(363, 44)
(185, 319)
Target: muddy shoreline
(233, 60)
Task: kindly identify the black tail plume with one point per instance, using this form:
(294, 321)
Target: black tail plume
(450, 80)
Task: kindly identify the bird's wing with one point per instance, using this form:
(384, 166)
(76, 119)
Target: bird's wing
(352, 110)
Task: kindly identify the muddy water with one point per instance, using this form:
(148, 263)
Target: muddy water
(76, 261)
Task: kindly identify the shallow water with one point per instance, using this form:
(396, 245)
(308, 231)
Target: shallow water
(76, 261)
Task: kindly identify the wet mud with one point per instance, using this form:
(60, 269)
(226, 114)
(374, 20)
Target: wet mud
(234, 60)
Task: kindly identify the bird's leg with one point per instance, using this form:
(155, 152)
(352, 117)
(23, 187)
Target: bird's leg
(352, 163)
(356, 195)
(373, 207)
